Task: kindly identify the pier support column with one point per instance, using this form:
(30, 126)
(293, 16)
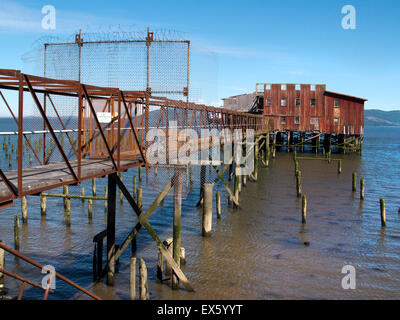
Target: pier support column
(207, 210)
(111, 208)
(176, 242)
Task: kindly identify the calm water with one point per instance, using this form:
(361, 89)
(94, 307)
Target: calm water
(256, 252)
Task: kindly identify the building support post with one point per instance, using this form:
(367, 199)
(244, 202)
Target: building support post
(111, 209)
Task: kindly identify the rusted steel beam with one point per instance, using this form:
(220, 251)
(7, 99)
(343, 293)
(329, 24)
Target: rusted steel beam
(58, 275)
(99, 126)
(38, 105)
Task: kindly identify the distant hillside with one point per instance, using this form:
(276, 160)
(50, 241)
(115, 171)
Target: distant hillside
(375, 117)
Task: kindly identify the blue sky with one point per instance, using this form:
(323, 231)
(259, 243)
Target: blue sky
(238, 43)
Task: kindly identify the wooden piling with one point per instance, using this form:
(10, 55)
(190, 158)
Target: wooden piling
(121, 195)
(255, 172)
(143, 285)
(105, 201)
(183, 256)
(2, 266)
(339, 166)
(296, 167)
(362, 189)
(133, 279)
(354, 182)
(383, 212)
(16, 232)
(10, 160)
(90, 209)
(94, 187)
(43, 205)
(112, 192)
(168, 244)
(303, 209)
(176, 242)
(140, 174)
(65, 192)
(298, 183)
(218, 204)
(207, 209)
(83, 194)
(236, 188)
(24, 210)
(139, 197)
(160, 265)
(134, 185)
(191, 175)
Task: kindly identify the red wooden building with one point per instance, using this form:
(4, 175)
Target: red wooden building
(311, 108)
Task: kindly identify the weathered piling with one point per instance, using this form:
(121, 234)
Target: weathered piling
(202, 182)
(94, 187)
(339, 166)
(133, 278)
(139, 197)
(83, 194)
(10, 160)
(160, 265)
(218, 204)
(207, 209)
(191, 175)
(354, 182)
(65, 193)
(303, 209)
(2, 265)
(296, 167)
(176, 242)
(43, 205)
(90, 209)
(298, 183)
(183, 256)
(236, 189)
(24, 210)
(105, 201)
(140, 174)
(134, 185)
(168, 244)
(143, 285)
(121, 195)
(383, 212)
(16, 232)
(362, 189)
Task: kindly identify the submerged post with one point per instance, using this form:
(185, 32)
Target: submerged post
(112, 190)
(207, 210)
(298, 184)
(133, 279)
(339, 166)
(354, 182)
(143, 288)
(218, 204)
(383, 212)
(43, 205)
(303, 209)
(16, 232)
(94, 187)
(2, 265)
(362, 189)
(176, 242)
(24, 210)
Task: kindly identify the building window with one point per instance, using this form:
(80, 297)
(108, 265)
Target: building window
(297, 87)
(297, 120)
(298, 102)
(268, 86)
(312, 87)
(283, 102)
(283, 120)
(337, 103)
(336, 121)
(268, 102)
(283, 87)
(312, 102)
